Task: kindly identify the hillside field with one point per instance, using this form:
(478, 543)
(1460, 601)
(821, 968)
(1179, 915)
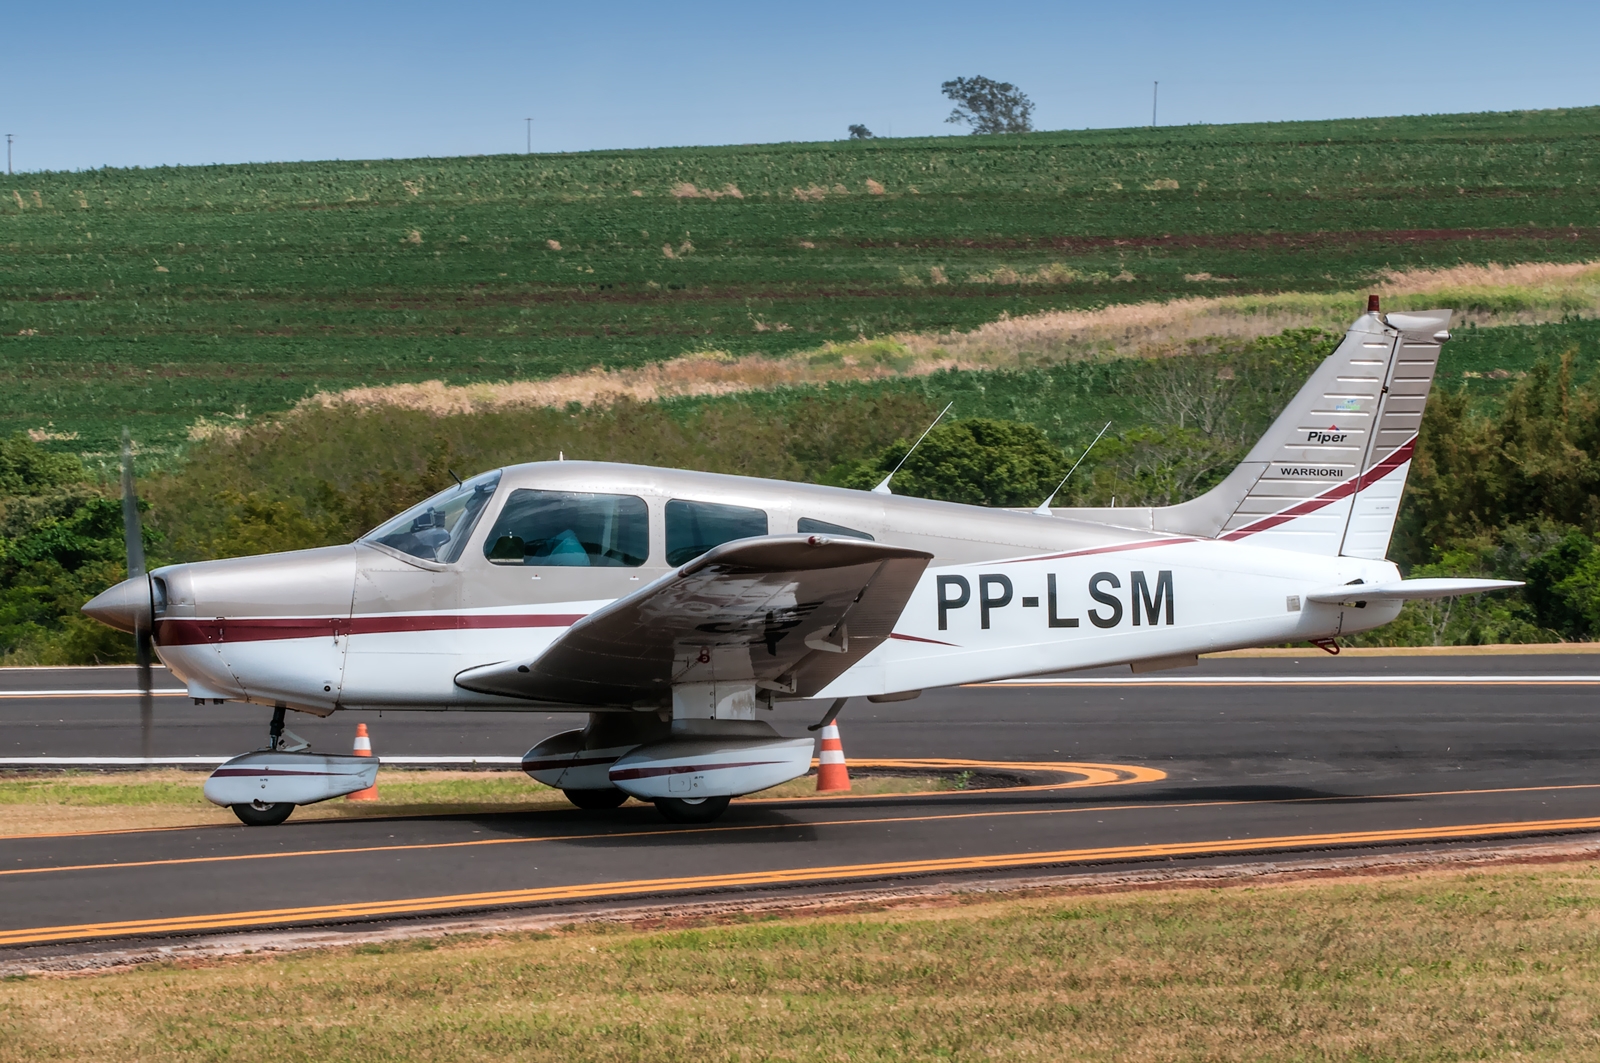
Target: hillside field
(160, 296)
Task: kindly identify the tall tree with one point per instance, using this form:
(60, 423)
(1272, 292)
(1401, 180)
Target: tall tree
(860, 132)
(989, 106)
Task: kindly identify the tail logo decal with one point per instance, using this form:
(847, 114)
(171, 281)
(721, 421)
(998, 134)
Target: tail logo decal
(1396, 458)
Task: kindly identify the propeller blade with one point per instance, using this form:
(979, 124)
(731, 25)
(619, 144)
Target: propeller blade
(133, 540)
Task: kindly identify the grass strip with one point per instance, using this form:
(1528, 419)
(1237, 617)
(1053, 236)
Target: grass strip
(63, 802)
(1441, 965)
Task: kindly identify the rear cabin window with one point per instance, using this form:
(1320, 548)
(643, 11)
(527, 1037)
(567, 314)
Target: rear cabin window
(808, 526)
(570, 528)
(695, 527)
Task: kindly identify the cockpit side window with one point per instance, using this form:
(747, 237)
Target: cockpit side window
(438, 529)
(808, 526)
(695, 527)
(570, 528)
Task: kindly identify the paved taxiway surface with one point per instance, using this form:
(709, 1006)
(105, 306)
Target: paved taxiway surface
(1267, 755)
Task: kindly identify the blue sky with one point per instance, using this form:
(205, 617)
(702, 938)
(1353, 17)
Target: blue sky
(97, 83)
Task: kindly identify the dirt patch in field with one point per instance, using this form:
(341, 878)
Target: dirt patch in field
(1280, 241)
(1520, 293)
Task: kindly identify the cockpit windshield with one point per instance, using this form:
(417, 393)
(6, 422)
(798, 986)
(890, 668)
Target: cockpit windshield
(437, 530)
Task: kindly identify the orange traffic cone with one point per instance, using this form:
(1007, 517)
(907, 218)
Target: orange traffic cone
(832, 774)
(364, 749)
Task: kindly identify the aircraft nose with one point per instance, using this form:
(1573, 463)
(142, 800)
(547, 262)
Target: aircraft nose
(125, 607)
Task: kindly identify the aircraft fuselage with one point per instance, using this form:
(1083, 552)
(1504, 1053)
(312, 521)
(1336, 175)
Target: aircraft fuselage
(1007, 594)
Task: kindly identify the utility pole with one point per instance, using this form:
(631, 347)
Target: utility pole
(9, 137)
(1155, 96)
(530, 135)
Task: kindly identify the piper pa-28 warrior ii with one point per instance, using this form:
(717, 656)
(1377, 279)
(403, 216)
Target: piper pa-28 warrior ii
(674, 607)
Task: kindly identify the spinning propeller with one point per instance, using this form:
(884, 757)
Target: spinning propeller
(133, 538)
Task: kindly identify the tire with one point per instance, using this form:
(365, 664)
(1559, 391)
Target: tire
(610, 797)
(257, 814)
(692, 810)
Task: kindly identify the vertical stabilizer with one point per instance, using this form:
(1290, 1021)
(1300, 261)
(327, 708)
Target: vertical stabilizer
(1327, 477)
(1334, 463)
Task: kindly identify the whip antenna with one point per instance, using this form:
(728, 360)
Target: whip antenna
(883, 488)
(1044, 507)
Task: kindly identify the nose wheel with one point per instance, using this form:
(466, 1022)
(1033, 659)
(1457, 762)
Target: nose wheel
(261, 814)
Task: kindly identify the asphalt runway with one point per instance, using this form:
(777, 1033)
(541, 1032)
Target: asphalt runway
(1235, 758)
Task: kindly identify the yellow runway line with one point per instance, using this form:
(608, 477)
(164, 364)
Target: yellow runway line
(1090, 775)
(672, 832)
(784, 877)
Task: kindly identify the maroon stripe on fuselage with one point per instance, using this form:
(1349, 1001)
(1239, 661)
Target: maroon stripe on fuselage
(1142, 544)
(918, 638)
(177, 632)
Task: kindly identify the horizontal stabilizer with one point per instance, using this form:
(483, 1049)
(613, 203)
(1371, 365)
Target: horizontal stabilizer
(1409, 589)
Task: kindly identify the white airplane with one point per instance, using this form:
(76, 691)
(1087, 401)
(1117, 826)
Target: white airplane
(675, 607)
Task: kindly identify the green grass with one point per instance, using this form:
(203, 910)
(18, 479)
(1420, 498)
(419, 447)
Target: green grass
(155, 297)
(66, 802)
(1440, 966)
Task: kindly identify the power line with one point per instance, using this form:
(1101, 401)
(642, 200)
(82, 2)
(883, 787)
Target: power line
(1155, 96)
(9, 137)
(530, 135)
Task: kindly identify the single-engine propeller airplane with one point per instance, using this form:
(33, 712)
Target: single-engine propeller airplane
(673, 607)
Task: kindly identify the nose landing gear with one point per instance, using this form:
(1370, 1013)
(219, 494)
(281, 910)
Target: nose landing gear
(263, 788)
(261, 814)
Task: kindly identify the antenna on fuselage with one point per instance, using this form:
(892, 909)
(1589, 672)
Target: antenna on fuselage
(883, 488)
(1044, 507)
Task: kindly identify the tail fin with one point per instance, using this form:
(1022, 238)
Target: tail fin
(1334, 463)
(1328, 475)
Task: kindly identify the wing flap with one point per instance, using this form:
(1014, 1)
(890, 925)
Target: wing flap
(788, 613)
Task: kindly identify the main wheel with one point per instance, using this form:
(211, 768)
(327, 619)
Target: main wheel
(260, 814)
(610, 797)
(692, 809)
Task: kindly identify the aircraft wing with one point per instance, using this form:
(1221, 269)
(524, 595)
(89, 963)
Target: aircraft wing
(1407, 589)
(789, 613)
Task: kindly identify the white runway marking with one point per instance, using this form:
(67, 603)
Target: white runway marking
(1303, 681)
(162, 692)
(180, 762)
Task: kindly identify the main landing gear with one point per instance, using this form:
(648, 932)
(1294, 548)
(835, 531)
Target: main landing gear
(692, 809)
(611, 797)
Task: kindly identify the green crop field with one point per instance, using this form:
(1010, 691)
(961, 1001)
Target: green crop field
(156, 297)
